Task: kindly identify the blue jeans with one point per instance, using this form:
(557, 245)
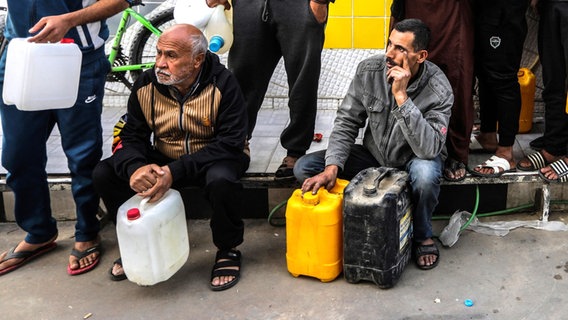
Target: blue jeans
(424, 179)
(24, 155)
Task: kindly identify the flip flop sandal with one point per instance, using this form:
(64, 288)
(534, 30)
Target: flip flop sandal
(453, 166)
(117, 277)
(537, 161)
(232, 259)
(496, 163)
(26, 256)
(421, 250)
(560, 168)
(82, 254)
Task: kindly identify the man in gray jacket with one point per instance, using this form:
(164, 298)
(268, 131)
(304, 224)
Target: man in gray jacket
(404, 101)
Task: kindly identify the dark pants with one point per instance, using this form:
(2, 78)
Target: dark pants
(500, 31)
(292, 32)
(553, 53)
(24, 155)
(221, 185)
(451, 48)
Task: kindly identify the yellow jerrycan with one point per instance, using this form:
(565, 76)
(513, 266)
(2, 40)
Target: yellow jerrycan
(527, 81)
(314, 229)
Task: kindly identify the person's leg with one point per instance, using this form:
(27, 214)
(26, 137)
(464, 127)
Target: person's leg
(225, 194)
(309, 165)
(81, 139)
(502, 48)
(254, 54)
(301, 38)
(24, 156)
(485, 13)
(313, 163)
(113, 189)
(424, 176)
(553, 53)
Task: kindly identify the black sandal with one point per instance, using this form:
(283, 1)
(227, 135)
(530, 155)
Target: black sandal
(232, 258)
(453, 166)
(421, 250)
(118, 277)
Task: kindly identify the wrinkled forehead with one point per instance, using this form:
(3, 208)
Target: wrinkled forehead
(402, 39)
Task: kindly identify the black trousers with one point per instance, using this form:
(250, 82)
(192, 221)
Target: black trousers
(264, 32)
(221, 185)
(500, 31)
(553, 53)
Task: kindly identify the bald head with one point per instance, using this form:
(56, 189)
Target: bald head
(180, 54)
(186, 36)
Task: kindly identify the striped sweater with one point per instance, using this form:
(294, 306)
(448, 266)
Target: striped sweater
(209, 125)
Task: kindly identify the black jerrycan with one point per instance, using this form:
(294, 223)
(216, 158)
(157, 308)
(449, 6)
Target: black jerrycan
(377, 226)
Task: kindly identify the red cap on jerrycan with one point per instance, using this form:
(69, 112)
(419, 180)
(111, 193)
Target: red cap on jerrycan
(133, 214)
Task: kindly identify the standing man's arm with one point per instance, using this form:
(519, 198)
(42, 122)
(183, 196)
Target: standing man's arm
(54, 28)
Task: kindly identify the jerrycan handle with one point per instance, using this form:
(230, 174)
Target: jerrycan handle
(371, 189)
(381, 176)
(144, 202)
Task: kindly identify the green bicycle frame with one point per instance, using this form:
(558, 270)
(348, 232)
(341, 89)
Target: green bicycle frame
(126, 14)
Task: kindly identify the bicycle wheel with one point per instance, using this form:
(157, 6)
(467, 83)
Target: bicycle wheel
(3, 46)
(143, 49)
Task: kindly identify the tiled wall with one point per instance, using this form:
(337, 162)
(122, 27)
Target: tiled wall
(358, 24)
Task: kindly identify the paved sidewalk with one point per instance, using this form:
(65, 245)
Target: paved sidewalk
(523, 275)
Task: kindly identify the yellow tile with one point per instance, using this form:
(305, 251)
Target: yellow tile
(338, 33)
(341, 8)
(371, 8)
(369, 33)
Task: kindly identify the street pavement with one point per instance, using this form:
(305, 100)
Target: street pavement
(523, 275)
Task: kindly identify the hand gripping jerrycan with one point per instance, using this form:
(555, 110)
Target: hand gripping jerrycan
(377, 226)
(42, 76)
(314, 233)
(527, 82)
(152, 238)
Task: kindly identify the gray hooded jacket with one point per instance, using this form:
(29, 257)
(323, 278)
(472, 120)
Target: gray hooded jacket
(394, 135)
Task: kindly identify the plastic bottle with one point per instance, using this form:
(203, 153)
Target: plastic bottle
(527, 81)
(219, 31)
(314, 233)
(42, 76)
(194, 12)
(152, 238)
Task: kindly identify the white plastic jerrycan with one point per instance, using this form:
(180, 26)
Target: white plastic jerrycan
(219, 31)
(152, 238)
(194, 12)
(42, 76)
